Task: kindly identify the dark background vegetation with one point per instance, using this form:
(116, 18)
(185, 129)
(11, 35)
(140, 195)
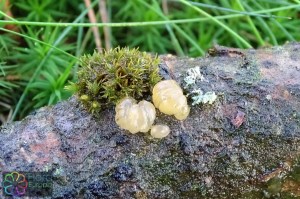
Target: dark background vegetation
(34, 74)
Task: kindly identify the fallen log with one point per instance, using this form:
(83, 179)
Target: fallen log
(244, 145)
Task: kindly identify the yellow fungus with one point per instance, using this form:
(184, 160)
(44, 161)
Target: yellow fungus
(135, 117)
(159, 131)
(169, 99)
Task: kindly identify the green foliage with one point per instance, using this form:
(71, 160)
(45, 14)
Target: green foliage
(105, 78)
(54, 71)
(148, 35)
(41, 10)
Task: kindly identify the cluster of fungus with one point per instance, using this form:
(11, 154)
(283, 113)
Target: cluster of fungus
(167, 97)
(120, 77)
(135, 117)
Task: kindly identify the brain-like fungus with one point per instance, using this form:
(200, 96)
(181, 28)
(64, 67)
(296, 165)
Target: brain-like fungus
(169, 99)
(159, 131)
(135, 117)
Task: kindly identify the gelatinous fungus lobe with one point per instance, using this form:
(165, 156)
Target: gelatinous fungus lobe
(159, 131)
(169, 99)
(135, 117)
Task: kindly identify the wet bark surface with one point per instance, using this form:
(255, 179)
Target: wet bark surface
(244, 145)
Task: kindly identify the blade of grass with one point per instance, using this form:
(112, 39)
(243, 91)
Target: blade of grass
(7, 16)
(175, 41)
(264, 25)
(39, 67)
(39, 41)
(149, 23)
(186, 36)
(64, 76)
(78, 48)
(279, 25)
(215, 20)
(2, 70)
(86, 39)
(234, 11)
(255, 31)
(288, 35)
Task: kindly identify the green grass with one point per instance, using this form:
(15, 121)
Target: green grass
(40, 55)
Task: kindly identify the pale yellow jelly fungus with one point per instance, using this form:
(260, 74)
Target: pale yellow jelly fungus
(135, 117)
(169, 99)
(159, 131)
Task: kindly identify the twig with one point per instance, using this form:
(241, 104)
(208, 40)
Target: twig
(104, 18)
(165, 7)
(92, 18)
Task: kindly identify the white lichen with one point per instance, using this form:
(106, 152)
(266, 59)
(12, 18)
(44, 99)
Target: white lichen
(200, 97)
(193, 74)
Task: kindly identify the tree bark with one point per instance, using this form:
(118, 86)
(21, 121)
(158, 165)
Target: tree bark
(244, 145)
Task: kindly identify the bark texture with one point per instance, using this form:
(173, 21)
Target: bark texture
(245, 145)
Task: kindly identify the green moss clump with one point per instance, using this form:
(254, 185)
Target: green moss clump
(105, 78)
